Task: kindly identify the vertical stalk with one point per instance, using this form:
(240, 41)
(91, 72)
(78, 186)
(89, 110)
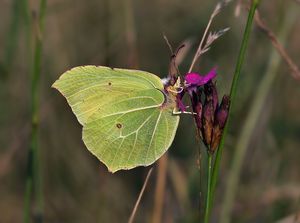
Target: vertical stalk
(159, 196)
(137, 203)
(28, 190)
(208, 193)
(239, 64)
(28, 184)
(130, 34)
(33, 181)
(252, 119)
(106, 32)
(12, 37)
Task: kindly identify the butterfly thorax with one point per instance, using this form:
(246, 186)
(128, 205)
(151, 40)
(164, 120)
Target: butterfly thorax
(171, 93)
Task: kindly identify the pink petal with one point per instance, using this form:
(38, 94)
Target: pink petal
(197, 79)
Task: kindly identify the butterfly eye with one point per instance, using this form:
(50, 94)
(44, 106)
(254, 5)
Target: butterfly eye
(119, 125)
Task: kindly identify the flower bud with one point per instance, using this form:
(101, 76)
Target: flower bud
(211, 93)
(207, 119)
(197, 108)
(207, 122)
(210, 105)
(222, 114)
(219, 123)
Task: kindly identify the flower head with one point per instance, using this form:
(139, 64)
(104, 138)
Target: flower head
(194, 79)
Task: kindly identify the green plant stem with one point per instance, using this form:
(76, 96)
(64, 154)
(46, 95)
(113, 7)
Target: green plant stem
(27, 25)
(240, 61)
(33, 181)
(208, 193)
(252, 119)
(27, 195)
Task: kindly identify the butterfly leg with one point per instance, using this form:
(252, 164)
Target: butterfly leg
(183, 112)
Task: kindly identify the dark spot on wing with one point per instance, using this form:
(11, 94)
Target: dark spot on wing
(119, 125)
(109, 83)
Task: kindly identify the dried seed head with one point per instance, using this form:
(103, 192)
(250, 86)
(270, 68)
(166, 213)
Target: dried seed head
(212, 37)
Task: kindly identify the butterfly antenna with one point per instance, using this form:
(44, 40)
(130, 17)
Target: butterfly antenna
(173, 68)
(168, 44)
(178, 50)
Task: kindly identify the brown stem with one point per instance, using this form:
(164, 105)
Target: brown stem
(140, 197)
(130, 34)
(197, 54)
(160, 189)
(280, 49)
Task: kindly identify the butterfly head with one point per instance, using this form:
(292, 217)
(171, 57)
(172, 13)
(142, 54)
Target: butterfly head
(175, 89)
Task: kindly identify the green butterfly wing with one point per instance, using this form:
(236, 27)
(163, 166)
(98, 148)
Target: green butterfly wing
(127, 119)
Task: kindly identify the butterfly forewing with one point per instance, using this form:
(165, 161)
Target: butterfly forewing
(125, 120)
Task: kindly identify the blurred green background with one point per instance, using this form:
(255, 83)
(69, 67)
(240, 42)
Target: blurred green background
(129, 34)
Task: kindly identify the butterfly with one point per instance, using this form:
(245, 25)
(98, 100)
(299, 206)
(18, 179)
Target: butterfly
(127, 115)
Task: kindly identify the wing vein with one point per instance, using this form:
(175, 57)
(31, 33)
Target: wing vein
(100, 105)
(129, 111)
(136, 136)
(153, 133)
(113, 161)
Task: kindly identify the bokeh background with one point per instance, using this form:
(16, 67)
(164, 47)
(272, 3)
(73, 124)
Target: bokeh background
(129, 34)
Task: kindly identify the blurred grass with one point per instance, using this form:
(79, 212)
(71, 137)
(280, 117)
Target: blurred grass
(233, 97)
(77, 188)
(12, 38)
(34, 191)
(253, 116)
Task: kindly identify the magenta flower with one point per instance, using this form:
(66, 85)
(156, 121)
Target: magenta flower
(210, 116)
(196, 80)
(193, 81)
